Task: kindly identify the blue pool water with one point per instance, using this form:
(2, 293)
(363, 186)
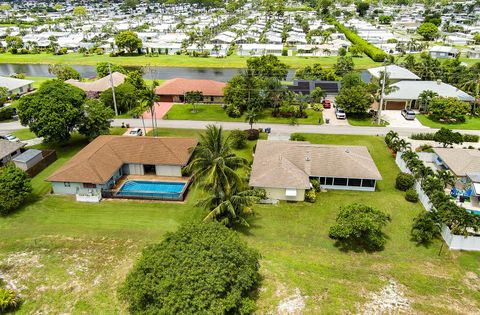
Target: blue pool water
(167, 190)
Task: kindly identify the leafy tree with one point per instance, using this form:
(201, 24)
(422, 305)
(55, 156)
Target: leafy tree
(3, 95)
(404, 181)
(355, 100)
(355, 50)
(53, 111)
(125, 95)
(425, 97)
(58, 6)
(102, 69)
(447, 137)
(343, 65)
(425, 228)
(128, 40)
(352, 79)
(359, 225)
(268, 66)
(14, 42)
(324, 6)
(5, 7)
(95, 120)
(135, 78)
(193, 97)
(15, 187)
(129, 4)
(80, 11)
(448, 109)
(362, 7)
(64, 72)
(428, 31)
(214, 164)
(315, 72)
(238, 138)
(242, 90)
(317, 95)
(476, 37)
(385, 19)
(203, 268)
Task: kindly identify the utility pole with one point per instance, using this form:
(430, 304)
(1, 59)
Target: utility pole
(113, 89)
(379, 113)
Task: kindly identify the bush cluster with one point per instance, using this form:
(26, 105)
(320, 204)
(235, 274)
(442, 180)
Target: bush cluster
(310, 195)
(238, 139)
(411, 195)
(315, 184)
(404, 181)
(297, 137)
(9, 300)
(370, 50)
(6, 113)
(430, 136)
(252, 134)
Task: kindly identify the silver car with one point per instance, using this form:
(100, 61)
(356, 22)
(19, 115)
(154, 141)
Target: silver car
(408, 114)
(340, 113)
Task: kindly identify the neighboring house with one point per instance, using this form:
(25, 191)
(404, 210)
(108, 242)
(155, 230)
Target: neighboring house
(260, 49)
(174, 90)
(94, 88)
(408, 92)
(306, 86)
(394, 72)
(473, 53)
(28, 159)
(9, 150)
(16, 86)
(443, 52)
(102, 162)
(284, 168)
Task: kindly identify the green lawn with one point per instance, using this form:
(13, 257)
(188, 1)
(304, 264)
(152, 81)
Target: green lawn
(469, 124)
(365, 122)
(24, 134)
(233, 61)
(70, 257)
(216, 113)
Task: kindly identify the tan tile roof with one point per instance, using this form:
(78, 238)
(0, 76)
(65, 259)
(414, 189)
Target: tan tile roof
(289, 164)
(460, 161)
(180, 86)
(99, 160)
(99, 85)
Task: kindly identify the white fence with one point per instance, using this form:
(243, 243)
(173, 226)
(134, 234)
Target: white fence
(88, 198)
(453, 241)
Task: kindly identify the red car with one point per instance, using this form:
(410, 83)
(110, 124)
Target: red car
(326, 104)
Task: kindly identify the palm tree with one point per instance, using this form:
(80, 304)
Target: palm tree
(148, 101)
(390, 137)
(230, 209)
(214, 164)
(400, 145)
(447, 177)
(424, 99)
(303, 100)
(251, 116)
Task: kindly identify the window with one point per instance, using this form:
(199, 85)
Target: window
(356, 182)
(87, 185)
(329, 181)
(289, 192)
(322, 180)
(66, 184)
(368, 183)
(340, 181)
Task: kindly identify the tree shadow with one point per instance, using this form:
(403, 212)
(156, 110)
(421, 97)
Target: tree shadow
(359, 246)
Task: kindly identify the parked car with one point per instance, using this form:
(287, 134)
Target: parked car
(408, 114)
(327, 104)
(340, 113)
(135, 132)
(10, 137)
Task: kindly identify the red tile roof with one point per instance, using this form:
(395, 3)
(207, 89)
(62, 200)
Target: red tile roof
(180, 86)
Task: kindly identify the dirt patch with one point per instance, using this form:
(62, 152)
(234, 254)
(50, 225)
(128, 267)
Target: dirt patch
(472, 281)
(390, 300)
(293, 304)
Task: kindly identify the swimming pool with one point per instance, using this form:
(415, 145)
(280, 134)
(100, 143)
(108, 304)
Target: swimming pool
(152, 189)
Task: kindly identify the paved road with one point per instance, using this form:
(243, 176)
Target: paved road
(276, 128)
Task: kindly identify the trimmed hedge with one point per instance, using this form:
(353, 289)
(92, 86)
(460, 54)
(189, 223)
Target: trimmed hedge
(411, 195)
(431, 137)
(404, 181)
(6, 113)
(375, 53)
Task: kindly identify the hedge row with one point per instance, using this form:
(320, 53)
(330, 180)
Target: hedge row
(6, 113)
(431, 137)
(370, 50)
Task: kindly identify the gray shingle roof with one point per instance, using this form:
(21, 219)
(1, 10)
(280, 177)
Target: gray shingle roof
(8, 147)
(411, 90)
(395, 73)
(13, 83)
(27, 155)
(460, 161)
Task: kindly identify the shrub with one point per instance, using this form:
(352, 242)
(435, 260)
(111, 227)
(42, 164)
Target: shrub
(238, 139)
(233, 111)
(199, 269)
(425, 228)
(252, 134)
(297, 137)
(423, 136)
(411, 195)
(9, 300)
(15, 187)
(317, 107)
(315, 184)
(360, 225)
(310, 195)
(6, 113)
(470, 138)
(404, 181)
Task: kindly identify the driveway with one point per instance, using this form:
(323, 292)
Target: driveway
(330, 114)
(395, 119)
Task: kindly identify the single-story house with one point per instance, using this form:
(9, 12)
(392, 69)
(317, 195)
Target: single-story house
(284, 168)
(94, 88)
(28, 159)
(408, 92)
(395, 73)
(260, 49)
(460, 162)
(9, 150)
(102, 162)
(307, 86)
(443, 52)
(16, 86)
(473, 53)
(174, 90)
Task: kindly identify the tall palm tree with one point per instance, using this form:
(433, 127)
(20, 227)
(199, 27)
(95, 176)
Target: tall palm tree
(214, 164)
(230, 209)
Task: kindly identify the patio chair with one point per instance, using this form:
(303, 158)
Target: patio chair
(468, 193)
(454, 192)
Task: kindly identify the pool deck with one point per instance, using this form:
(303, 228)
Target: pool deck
(155, 178)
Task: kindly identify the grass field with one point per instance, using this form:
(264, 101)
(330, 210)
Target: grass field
(69, 257)
(365, 122)
(216, 113)
(233, 61)
(469, 124)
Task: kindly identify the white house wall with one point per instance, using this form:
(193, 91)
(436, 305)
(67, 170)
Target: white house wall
(135, 169)
(279, 194)
(168, 170)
